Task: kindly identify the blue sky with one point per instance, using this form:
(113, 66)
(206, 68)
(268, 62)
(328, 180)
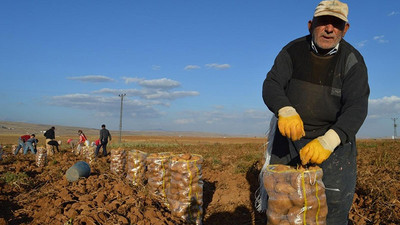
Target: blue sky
(183, 65)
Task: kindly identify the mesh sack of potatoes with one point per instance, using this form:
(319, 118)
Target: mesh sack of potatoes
(296, 195)
(185, 194)
(158, 175)
(118, 161)
(77, 150)
(88, 153)
(41, 157)
(50, 150)
(136, 167)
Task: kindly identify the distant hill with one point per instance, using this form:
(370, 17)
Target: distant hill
(7, 127)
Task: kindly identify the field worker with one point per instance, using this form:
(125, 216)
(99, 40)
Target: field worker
(96, 143)
(50, 135)
(73, 143)
(318, 90)
(21, 143)
(104, 136)
(30, 144)
(82, 142)
(82, 138)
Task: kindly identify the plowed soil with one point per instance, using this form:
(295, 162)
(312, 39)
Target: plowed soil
(42, 195)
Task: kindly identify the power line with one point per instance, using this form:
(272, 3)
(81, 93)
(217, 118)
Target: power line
(120, 117)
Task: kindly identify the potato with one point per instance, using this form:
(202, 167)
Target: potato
(284, 188)
(284, 222)
(280, 177)
(323, 212)
(297, 198)
(295, 215)
(186, 156)
(273, 217)
(311, 214)
(269, 183)
(280, 167)
(295, 180)
(279, 203)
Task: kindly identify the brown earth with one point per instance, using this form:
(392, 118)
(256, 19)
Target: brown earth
(41, 195)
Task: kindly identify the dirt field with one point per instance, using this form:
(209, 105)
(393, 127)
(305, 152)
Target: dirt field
(41, 195)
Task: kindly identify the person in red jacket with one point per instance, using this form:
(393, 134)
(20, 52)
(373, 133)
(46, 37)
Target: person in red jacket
(30, 144)
(82, 138)
(82, 142)
(21, 142)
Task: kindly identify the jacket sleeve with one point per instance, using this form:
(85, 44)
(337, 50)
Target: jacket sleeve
(277, 79)
(355, 93)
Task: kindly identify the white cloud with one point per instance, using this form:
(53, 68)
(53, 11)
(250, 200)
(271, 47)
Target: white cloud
(131, 79)
(162, 83)
(107, 105)
(393, 13)
(384, 107)
(155, 67)
(192, 67)
(380, 39)
(170, 95)
(116, 92)
(92, 78)
(218, 66)
(362, 43)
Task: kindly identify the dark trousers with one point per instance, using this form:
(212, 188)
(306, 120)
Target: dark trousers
(104, 144)
(339, 174)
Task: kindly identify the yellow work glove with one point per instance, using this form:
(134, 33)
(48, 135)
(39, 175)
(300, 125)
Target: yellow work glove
(290, 124)
(319, 149)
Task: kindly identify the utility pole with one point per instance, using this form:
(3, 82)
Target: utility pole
(394, 128)
(120, 117)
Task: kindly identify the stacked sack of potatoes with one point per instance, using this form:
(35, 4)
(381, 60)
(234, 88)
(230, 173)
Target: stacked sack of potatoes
(185, 194)
(41, 157)
(158, 175)
(118, 161)
(136, 163)
(296, 195)
(88, 153)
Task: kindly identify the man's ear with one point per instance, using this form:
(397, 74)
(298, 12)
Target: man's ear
(309, 25)
(346, 27)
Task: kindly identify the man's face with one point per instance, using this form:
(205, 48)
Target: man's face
(327, 31)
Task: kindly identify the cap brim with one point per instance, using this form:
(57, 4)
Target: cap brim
(337, 15)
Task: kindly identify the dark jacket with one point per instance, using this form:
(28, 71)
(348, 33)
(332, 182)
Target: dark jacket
(328, 92)
(50, 134)
(104, 135)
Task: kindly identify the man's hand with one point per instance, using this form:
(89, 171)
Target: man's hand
(290, 123)
(319, 149)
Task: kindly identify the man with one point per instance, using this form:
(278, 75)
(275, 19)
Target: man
(21, 143)
(30, 144)
(50, 135)
(318, 88)
(104, 136)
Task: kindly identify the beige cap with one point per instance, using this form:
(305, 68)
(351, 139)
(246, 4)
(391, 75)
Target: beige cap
(332, 8)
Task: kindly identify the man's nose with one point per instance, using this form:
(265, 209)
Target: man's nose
(329, 28)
